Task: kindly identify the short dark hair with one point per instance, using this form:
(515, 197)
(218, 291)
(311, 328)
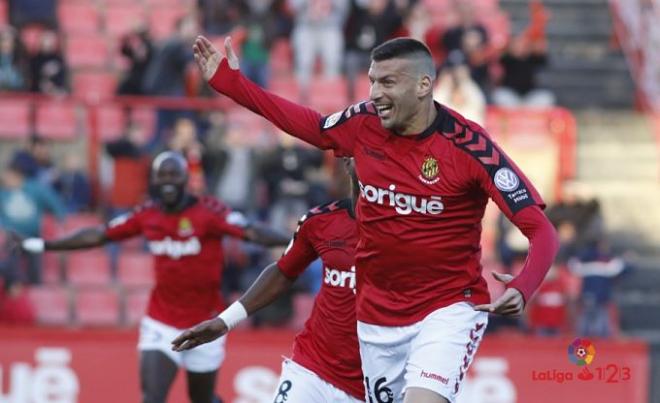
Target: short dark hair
(399, 47)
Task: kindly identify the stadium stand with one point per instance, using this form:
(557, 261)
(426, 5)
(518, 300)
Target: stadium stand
(52, 304)
(15, 118)
(97, 307)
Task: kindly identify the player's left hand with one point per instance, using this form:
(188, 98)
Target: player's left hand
(511, 303)
(208, 57)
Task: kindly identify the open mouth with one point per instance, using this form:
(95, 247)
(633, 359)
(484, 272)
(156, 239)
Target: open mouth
(384, 110)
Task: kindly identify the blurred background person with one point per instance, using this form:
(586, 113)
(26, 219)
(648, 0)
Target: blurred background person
(456, 89)
(12, 61)
(137, 48)
(49, 73)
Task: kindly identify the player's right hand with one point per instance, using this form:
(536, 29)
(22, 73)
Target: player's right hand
(208, 57)
(205, 332)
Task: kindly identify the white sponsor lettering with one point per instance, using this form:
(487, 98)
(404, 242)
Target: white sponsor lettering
(338, 278)
(175, 249)
(51, 381)
(506, 180)
(255, 384)
(403, 203)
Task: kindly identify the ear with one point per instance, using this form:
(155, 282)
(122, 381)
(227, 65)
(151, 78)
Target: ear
(424, 86)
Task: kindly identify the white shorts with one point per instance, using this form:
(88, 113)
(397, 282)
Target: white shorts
(155, 335)
(299, 385)
(432, 354)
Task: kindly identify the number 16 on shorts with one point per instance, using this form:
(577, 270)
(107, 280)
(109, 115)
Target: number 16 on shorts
(381, 393)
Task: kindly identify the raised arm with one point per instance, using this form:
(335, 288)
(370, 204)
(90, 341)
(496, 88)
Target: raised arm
(222, 73)
(270, 284)
(266, 236)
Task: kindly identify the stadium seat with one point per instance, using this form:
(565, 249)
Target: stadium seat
(87, 51)
(78, 18)
(56, 120)
(328, 96)
(51, 268)
(121, 18)
(97, 306)
(136, 269)
(88, 267)
(52, 304)
(162, 20)
(281, 57)
(137, 300)
(3, 12)
(94, 86)
(111, 121)
(15, 118)
(286, 87)
(145, 117)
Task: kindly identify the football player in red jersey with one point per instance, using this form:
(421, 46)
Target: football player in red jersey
(425, 176)
(325, 366)
(183, 233)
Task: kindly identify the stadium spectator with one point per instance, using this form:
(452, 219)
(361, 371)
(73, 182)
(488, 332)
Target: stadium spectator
(186, 142)
(137, 48)
(220, 17)
(598, 268)
(34, 161)
(48, 69)
(318, 30)
(370, 22)
(12, 61)
(165, 76)
(183, 233)
(548, 310)
(325, 366)
(415, 277)
(470, 37)
(73, 185)
(23, 202)
(24, 12)
(457, 90)
(260, 31)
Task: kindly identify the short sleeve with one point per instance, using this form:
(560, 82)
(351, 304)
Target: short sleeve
(300, 252)
(125, 226)
(223, 221)
(499, 177)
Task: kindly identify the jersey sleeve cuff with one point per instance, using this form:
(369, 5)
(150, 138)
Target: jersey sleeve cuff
(526, 294)
(223, 77)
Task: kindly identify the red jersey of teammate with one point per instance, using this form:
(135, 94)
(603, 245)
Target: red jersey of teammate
(188, 256)
(328, 344)
(421, 205)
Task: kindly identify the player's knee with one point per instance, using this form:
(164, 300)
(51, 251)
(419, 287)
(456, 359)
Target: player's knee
(421, 395)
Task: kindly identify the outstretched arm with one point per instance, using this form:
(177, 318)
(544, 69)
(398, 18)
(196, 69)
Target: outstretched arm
(270, 284)
(265, 236)
(83, 239)
(222, 73)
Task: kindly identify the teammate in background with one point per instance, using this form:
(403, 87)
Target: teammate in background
(425, 176)
(184, 234)
(325, 366)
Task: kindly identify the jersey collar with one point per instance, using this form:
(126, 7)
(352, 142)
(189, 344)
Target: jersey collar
(433, 127)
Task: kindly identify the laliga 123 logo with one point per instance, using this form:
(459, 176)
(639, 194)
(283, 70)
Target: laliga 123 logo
(581, 352)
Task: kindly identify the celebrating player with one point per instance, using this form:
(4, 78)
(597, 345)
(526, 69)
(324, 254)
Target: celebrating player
(425, 176)
(325, 366)
(184, 234)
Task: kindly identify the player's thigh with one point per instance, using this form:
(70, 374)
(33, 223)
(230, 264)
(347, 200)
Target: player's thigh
(157, 336)
(300, 385)
(157, 372)
(201, 386)
(419, 395)
(442, 351)
(206, 357)
(384, 351)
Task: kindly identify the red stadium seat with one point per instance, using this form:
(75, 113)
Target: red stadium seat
(281, 57)
(286, 87)
(52, 304)
(78, 18)
(136, 269)
(94, 86)
(3, 12)
(136, 305)
(97, 307)
(111, 121)
(56, 120)
(144, 117)
(87, 51)
(328, 96)
(162, 20)
(15, 118)
(51, 268)
(123, 17)
(88, 267)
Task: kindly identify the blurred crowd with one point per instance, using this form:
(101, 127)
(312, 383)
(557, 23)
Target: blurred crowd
(274, 179)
